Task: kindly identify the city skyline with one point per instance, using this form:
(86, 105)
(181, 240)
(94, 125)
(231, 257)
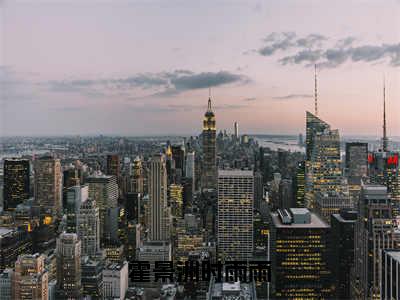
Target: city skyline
(76, 68)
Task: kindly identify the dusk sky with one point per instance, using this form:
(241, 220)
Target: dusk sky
(144, 67)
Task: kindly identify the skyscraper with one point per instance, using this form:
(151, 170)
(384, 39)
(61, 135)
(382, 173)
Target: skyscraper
(209, 167)
(68, 252)
(343, 235)
(374, 233)
(236, 129)
(390, 288)
(30, 278)
(88, 228)
(48, 185)
(356, 160)
(235, 214)
(104, 190)
(300, 255)
(16, 182)
(113, 165)
(190, 167)
(158, 217)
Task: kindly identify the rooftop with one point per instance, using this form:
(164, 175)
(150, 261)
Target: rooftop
(235, 172)
(316, 222)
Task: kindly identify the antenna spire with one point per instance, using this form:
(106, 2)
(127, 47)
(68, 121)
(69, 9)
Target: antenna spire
(384, 139)
(209, 99)
(315, 91)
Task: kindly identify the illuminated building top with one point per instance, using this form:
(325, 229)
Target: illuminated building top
(209, 118)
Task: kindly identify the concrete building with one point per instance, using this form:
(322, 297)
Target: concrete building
(299, 255)
(390, 280)
(209, 167)
(6, 284)
(115, 280)
(68, 254)
(30, 278)
(235, 214)
(88, 228)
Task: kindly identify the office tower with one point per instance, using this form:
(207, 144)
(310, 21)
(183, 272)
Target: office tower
(236, 130)
(48, 185)
(300, 255)
(300, 140)
(390, 287)
(113, 165)
(6, 284)
(384, 170)
(190, 167)
(133, 232)
(374, 233)
(299, 184)
(175, 199)
(104, 190)
(70, 179)
(88, 228)
(188, 191)
(323, 170)
(92, 278)
(343, 235)
(74, 197)
(356, 160)
(178, 155)
(68, 252)
(209, 166)
(16, 182)
(314, 125)
(132, 206)
(285, 194)
(115, 280)
(158, 217)
(235, 202)
(13, 242)
(137, 176)
(283, 157)
(258, 189)
(30, 278)
(331, 202)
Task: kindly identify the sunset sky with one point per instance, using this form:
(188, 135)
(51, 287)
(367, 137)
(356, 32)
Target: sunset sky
(144, 67)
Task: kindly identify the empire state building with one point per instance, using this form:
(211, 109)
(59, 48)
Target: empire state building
(209, 170)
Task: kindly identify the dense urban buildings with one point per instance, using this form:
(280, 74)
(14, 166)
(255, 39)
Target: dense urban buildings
(98, 212)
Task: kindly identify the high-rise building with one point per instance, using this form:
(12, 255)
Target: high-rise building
(390, 287)
(314, 125)
(328, 203)
(104, 190)
(178, 155)
(6, 284)
(384, 170)
(323, 168)
(299, 184)
(88, 228)
(209, 167)
(235, 214)
(175, 199)
(236, 131)
(374, 233)
(356, 160)
(285, 194)
(75, 195)
(158, 217)
(30, 278)
(137, 180)
(115, 280)
(13, 242)
(16, 182)
(258, 189)
(92, 278)
(113, 165)
(190, 167)
(68, 252)
(300, 255)
(48, 185)
(343, 235)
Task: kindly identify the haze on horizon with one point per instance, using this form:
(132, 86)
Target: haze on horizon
(144, 68)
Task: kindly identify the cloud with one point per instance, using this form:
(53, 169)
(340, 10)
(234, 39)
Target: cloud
(163, 84)
(293, 96)
(288, 40)
(314, 48)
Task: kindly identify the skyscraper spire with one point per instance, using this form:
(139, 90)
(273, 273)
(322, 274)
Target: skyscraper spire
(384, 139)
(209, 100)
(315, 91)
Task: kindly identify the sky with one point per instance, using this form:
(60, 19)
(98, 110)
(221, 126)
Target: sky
(145, 67)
